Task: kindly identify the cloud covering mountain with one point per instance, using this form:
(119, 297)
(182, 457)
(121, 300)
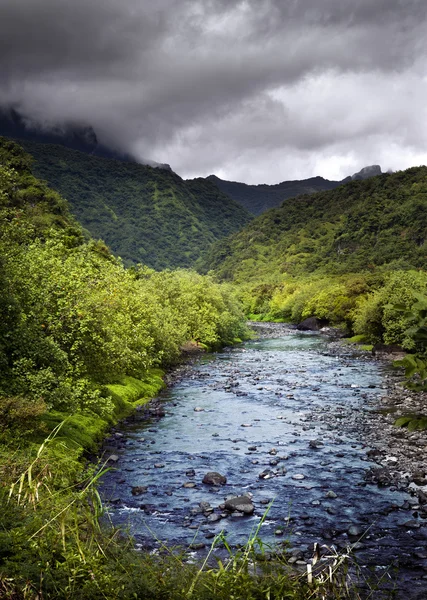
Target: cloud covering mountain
(256, 91)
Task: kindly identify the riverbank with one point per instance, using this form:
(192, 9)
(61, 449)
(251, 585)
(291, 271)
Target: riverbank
(292, 431)
(331, 424)
(401, 454)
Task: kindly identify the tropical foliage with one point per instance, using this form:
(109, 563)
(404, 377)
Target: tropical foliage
(360, 226)
(343, 256)
(145, 215)
(72, 317)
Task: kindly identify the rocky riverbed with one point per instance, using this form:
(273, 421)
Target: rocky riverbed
(298, 420)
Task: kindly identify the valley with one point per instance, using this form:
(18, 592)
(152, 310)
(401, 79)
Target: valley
(142, 274)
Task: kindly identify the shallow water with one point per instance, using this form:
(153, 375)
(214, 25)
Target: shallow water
(277, 395)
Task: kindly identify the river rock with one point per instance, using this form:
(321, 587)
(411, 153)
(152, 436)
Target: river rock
(419, 477)
(310, 324)
(267, 474)
(214, 478)
(197, 546)
(209, 535)
(137, 490)
(385, 350)
(214, 518)
(354, 531)
(331, 494)
(241, 504)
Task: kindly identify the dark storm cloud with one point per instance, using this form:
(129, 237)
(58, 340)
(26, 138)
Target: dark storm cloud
(214, 85)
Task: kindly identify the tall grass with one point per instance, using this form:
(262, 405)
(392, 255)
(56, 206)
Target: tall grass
(54, 545)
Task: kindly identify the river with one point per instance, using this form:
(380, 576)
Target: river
(272, 417)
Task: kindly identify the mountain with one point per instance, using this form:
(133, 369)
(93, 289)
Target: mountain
(16, 125)
(145, 215)
(365, 173)
(364, 224)
(259, 198)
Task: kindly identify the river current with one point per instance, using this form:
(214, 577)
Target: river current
(266, 415)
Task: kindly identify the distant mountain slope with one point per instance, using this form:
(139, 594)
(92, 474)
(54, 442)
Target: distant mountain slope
(259, 198)
(146, 215)
(358, 226)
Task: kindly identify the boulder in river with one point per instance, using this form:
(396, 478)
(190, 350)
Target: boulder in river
(137, 490)
(310, 324)
(242, 504)
(214, 478)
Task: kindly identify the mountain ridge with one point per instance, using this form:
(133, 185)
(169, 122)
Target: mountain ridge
(144, 214)
(361, 225)
(258, 198)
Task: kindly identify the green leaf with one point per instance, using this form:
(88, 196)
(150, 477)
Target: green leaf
(403, 421)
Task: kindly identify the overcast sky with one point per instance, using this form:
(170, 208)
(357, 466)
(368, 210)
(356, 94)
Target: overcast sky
(256, 91)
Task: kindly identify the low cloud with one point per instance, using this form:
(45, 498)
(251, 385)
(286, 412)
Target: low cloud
(259, 91)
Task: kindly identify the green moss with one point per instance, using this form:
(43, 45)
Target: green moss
(131, 392)
(84, 431)
(78, 430)
(356, 339)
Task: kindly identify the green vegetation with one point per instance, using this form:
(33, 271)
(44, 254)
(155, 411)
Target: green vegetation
(146, 215)
(82, 341)
(360, 226)
(259, 198)
(344, 256)
(415, 363)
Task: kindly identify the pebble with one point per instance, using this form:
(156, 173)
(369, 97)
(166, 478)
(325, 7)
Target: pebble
(354, 531)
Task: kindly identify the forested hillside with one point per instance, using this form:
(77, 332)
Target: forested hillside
(259, 198)
(82, 340)
(146, 215)
(344, 256)
(360, 225)
(72, 316)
